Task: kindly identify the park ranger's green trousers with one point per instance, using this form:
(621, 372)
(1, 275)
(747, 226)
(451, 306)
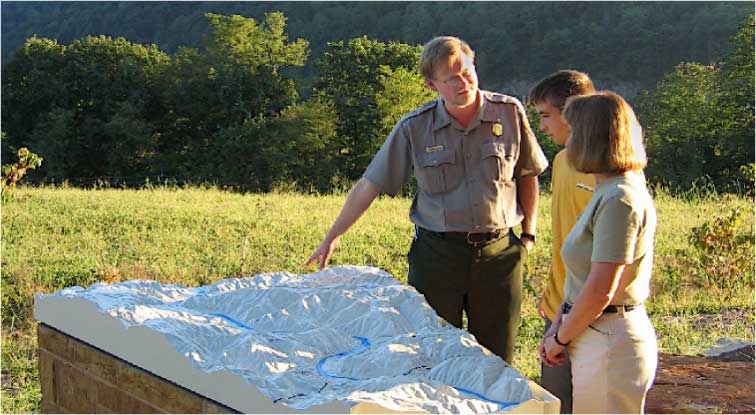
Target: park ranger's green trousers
(484, 280)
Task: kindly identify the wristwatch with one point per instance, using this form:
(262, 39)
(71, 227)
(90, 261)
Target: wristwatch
(528, 235)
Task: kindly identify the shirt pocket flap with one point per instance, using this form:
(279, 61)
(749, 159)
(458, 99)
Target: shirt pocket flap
(438, 158)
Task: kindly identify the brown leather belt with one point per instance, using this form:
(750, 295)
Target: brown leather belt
(471, 238)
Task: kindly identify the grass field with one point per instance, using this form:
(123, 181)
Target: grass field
(58, 237)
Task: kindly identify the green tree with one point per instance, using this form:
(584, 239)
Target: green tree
(296, 147)
(677, 117)
(350, 76)
(53, 134)
(401, 90)
(236, 77)
(735, 108)
(30, 86)
(110, 84)
(248, 59)
(306, 136)
(61, 100)
(699, 120)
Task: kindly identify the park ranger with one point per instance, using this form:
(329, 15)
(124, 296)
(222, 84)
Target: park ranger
(477, 163)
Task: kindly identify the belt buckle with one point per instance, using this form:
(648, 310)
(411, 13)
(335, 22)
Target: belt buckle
(473, 242)
(486, 236)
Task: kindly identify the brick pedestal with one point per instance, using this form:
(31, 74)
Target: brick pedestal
(78, 378)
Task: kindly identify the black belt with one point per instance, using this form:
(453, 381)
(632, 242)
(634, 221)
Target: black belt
(471, 238)
(566, 307)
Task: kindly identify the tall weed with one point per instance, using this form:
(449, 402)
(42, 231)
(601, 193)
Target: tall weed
(722, 252)
(196, 234)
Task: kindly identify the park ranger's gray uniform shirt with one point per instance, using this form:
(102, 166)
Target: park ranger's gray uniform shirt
(466, 177)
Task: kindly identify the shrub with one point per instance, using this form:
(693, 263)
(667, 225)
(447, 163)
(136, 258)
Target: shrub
(722, 252)
(14, 172)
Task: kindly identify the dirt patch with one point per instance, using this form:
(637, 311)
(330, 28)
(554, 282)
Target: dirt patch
(690, 384)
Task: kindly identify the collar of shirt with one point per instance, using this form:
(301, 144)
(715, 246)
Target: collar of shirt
(629, 176)
(486, 112)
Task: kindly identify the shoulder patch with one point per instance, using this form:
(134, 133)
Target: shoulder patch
(505, 99)
(496, 97)
(422, 109)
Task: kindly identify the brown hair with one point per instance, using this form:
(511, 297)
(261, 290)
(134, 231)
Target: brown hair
(605, 136)
(441, 47)
(559, 86)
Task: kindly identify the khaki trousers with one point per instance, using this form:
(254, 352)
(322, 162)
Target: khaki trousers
(613, 363)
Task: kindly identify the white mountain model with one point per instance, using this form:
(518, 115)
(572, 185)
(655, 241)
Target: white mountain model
(347, 334)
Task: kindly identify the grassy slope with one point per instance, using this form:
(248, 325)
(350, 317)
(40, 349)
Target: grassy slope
(61, 237)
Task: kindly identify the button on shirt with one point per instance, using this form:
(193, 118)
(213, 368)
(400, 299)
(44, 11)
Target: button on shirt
(467, 178)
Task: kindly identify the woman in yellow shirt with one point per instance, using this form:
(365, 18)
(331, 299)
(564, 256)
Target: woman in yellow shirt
(608, 259)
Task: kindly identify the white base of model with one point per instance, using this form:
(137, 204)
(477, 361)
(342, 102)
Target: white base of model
(148, 349)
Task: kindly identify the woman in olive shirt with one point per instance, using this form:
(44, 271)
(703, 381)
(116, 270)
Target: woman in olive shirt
(608, 257)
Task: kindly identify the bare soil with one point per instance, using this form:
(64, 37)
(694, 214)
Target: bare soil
(690, 384)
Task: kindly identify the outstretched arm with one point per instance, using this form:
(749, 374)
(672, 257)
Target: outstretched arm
(358, 201)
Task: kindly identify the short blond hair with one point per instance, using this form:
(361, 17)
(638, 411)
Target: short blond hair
(442, 48)
(605, 136)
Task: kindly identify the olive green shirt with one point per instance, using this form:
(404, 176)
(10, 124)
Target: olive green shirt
(467, 178)
(617, 226)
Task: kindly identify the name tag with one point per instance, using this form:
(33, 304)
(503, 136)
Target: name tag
(433, 149)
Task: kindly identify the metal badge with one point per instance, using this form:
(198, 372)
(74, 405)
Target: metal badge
(498, 129)
(433, 149)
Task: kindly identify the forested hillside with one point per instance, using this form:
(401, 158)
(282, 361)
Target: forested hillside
(261, 103)
(627, 46)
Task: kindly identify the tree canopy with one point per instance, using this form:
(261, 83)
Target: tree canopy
(626, 46)
(699, 120)
(353, 76)
(233, 110)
